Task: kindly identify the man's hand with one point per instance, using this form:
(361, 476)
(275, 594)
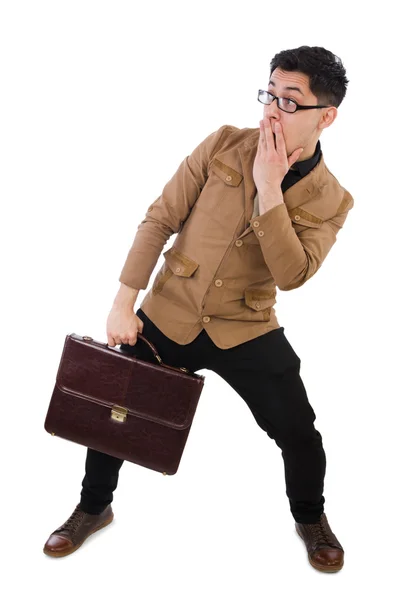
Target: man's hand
(123, 325)
(271, 161)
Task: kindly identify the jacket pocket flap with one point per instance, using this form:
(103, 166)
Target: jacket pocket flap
(179, 263)
(226, 173)
(259, 299)
(302, 217)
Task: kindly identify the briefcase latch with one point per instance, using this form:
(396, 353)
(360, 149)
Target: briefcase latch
(119, 413)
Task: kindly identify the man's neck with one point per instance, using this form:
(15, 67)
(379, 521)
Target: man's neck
(308, 152)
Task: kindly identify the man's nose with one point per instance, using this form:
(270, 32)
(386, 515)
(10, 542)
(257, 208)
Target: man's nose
(272, 110)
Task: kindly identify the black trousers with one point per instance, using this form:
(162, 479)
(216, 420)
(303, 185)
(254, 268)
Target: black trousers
(265, 373)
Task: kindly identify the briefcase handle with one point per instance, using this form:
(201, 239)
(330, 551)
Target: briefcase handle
(148, 342)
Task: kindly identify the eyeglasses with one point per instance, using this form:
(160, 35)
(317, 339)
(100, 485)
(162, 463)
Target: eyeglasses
(285, 104)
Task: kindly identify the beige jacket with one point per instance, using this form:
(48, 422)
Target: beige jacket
(222, 271)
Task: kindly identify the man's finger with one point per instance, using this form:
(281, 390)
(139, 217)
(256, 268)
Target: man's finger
(262, 139)
(294, 156)
(280, 142)
(268, 134)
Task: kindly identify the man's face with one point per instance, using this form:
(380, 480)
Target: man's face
(300, 129)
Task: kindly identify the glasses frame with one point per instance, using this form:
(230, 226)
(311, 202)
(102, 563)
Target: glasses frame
(298, 106)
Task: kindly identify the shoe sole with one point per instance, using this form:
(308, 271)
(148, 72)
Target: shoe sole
(323, 568)
(60, 553)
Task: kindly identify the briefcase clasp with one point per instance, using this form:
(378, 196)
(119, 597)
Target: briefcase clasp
(119, 413)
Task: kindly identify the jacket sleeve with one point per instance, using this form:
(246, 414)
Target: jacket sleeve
(292, 257)
(168, 212)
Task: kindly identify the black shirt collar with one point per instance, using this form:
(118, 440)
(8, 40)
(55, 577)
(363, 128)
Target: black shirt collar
(305, 166)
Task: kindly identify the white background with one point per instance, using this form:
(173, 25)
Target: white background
(100, 102)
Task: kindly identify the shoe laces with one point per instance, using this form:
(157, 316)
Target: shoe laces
(321, 533)
(73, 521)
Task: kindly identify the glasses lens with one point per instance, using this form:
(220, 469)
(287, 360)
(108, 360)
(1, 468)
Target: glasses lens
(265, 97)
(287, 104)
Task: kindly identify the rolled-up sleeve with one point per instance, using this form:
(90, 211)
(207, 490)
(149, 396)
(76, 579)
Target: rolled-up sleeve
(166, 214)
(292, 257)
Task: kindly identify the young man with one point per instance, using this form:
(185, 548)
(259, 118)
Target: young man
(254, 209)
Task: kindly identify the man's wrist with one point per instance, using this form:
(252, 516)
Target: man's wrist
(126, 296)
(269, 197)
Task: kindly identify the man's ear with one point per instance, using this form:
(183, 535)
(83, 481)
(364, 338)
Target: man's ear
(328, 117)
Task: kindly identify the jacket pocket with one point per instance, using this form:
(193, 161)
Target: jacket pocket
(226, 173)
(179, 263)
(162, 276)
(260, 301)
(176, 263)
(304, 218)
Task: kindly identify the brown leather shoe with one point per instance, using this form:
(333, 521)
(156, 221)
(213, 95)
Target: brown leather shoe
(69, 536)
(325, 553)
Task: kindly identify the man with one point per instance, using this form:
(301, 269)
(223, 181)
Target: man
(254, 209)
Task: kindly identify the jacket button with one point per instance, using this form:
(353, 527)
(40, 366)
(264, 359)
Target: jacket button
(297, 218)
(239, 242)
(257, 305)
(261, 233)
(256, 223)
(218, 282)
(178, 269)
(228, 178)
(206, 319)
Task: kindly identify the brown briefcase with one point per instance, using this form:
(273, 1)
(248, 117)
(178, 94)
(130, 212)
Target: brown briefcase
(108, 399)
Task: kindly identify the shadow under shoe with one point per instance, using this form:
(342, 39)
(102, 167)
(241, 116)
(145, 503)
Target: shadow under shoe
(325, 552)
(79, 526)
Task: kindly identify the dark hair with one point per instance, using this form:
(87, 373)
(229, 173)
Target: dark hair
(327, 75)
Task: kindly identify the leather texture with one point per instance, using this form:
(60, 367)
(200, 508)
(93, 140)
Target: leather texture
(159, 401)
(324, 550)
(75, 530)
